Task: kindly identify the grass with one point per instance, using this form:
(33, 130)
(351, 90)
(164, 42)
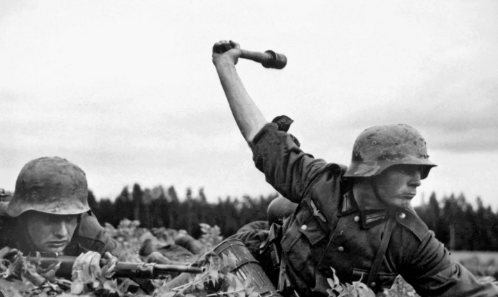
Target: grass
(479, 263)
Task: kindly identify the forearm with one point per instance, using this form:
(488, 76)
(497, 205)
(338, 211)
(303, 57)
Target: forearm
(247, 115)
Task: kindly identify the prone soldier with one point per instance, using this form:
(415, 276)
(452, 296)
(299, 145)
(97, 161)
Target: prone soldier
(49, 214)
(358, 219)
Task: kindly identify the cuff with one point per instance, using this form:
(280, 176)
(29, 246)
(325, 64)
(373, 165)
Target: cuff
(281, 123)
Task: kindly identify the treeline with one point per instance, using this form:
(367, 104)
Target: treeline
(456, 223)
(160, 207)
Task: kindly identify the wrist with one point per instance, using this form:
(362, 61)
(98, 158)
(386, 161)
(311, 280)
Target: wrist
(223, 62)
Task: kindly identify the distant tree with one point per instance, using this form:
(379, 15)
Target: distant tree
(485, 227)
(172, 193)
(123, 206)
(203, 212)
(446, 223)
(173, 209)
(92, 201)
(202, 196)
(106, 212)
(433, 213)
(137, 195)
(188, 207)
(145, 213)
(158, 207)
(466, 227)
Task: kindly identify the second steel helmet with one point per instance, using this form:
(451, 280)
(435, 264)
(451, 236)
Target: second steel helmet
(50, 185)
(380, 147)
(280, 208)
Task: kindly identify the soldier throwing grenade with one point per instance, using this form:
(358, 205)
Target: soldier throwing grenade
(356, 219)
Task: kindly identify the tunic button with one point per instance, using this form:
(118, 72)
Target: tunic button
(304, 227)
(402, 215)
(372, 284)
(357, 219)
(340, 249)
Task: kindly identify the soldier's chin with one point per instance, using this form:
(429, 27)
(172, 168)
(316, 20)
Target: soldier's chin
(402, 203)
(406, 203)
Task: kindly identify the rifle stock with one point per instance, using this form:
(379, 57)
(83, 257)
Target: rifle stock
(122, 269)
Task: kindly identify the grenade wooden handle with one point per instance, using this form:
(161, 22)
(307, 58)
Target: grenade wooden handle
(268, 59)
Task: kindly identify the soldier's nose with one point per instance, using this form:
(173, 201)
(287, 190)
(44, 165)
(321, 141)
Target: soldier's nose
(415, 179)
(59, 229)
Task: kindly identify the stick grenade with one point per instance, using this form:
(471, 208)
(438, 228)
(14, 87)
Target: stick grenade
(268, 59)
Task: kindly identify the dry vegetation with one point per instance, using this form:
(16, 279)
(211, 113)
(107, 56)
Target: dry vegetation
(19, 277)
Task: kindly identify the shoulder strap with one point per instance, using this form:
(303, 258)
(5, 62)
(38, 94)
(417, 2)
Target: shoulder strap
(377, 263)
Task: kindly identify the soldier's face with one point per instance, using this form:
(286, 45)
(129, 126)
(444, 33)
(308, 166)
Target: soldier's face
(50, 233)
(398, 184)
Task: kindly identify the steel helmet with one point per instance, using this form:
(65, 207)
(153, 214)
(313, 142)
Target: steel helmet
(280, 208)
(50, 185)
(380, 147)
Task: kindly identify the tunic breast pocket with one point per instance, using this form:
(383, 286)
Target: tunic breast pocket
(300, 240)
(382, 279)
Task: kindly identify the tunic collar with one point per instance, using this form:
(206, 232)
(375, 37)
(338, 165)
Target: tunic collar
(369, 217)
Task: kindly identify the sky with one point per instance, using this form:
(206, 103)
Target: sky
(127, 89)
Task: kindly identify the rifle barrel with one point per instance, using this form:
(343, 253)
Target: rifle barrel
(161, 268)
(122, 269)
(150, 270)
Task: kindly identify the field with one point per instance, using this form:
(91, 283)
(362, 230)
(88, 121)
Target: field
(479, 263)
(19, 277)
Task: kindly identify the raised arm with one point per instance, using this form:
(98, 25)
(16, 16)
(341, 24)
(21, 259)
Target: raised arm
(247, 115)
(275, 153)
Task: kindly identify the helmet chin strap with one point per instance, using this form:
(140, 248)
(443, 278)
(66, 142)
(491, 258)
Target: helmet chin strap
(375, 188)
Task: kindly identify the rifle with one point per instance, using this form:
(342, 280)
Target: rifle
(122, 269)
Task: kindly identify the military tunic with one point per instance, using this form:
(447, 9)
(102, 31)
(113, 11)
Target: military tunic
(329, 230)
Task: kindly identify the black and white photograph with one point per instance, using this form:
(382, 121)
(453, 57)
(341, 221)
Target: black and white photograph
(168, 148)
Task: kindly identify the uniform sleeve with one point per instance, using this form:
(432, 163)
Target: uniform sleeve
(90, 235)
(286, 167)
(432, 272)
